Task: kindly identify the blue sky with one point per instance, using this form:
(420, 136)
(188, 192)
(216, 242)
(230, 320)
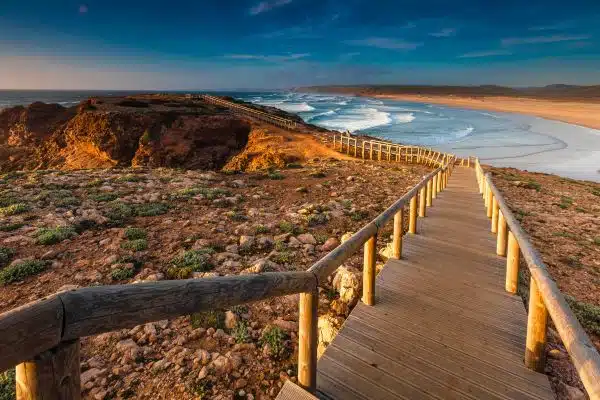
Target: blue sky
(226, 44)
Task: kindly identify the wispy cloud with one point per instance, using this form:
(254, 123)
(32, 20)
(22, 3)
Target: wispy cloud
(295, 32)
(270, 58)
(543, 39)
(83, 9)
(553, 27)
(385, 43)
(265, 6)
(446, 32)
(486, 53)
(348, 56)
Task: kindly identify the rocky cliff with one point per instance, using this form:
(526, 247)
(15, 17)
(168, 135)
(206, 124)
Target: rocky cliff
(157, 131)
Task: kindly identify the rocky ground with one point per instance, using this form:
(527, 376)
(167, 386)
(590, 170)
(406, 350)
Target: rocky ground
(562, 217)
(66, 229)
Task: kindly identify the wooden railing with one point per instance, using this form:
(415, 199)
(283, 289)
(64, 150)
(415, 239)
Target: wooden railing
(383, 150)
(42, 337)
(263, 116)
(544, 296)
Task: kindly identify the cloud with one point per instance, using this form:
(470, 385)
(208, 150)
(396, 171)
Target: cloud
(385, 43)
(265, 6)
(269, 58)
(486, 53)
(295, 32)
(543, 39)
(446, 32)
(553, 27)
(83, 9)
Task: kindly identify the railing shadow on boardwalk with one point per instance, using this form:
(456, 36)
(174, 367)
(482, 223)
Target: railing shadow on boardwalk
(42, 337)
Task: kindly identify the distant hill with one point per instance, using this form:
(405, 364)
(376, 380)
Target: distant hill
(550, 92)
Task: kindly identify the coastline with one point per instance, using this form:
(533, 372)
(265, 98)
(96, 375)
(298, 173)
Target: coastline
(582, 113)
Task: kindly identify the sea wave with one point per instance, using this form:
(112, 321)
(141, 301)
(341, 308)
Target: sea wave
(312, 117)
(404, 118)
(296, 107)
(358, 119)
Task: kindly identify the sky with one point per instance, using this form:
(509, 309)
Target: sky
(276, 44)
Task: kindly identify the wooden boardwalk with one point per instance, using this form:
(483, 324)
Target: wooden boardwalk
(442, 326)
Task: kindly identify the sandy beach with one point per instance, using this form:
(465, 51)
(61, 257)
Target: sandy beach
(573, 112)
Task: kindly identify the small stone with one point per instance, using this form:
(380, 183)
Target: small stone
(346, 236)
(307, 238)
(330, 244)
(556, 354)
(203, 373)
(66, 288)
(91, 375)
(240, 384)
(231, 319)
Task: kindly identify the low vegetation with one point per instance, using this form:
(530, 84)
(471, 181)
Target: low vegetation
(48, 236)
(18, 272)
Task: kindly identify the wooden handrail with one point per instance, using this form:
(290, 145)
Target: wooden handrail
(545, 297)
(280, 121)
(39, 326)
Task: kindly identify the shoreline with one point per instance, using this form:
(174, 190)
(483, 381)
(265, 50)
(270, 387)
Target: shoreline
(584, 114)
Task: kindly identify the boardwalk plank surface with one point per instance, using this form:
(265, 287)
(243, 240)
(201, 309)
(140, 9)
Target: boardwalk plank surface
(442, 327)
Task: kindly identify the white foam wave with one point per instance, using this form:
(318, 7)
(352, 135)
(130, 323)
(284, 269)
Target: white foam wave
(404, 118)
(342, 103)
(295, 107)
(464, 132)
(330, 112)
(358, 119)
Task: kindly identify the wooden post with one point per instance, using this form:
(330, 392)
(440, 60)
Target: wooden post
(308, 341)
(434, 187)
(53, 374)
(429, 194)
(355, 147)
(490, 204)
(422, 200)
(334, 141)
(512, 264)
(502, 235)
(495, 211)
(370, 150)
(369, 271)
(412, 221)
(537, 320)
(397, 242)
(379, 157)
(439, 181)
(363, 149)
(389, 152)
(348, 148)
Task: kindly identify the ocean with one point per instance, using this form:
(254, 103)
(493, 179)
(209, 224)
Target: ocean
(500, 139)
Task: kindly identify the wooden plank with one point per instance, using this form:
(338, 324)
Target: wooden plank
(443, 325)
(291, 391)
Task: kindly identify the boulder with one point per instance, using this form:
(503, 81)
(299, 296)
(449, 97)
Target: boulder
(330, 244)
(348, 283)
(306, 238)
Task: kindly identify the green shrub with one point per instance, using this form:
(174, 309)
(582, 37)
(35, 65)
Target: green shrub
(8, 384)
(587, 314)
(14, 209)
(135, 233)
(316, 219)
(208, 193)
(240, 332)
(236, 216)
(67, 201)
(532, 185)
(276, 338)
(11, 227)
(597, 240)
(565, 202)
(151, 209)
(47, 236)
(199, 260)
(289, 227)
(261, 229)
(104, 197)
(122, 273)
(179, 273)
(317, 174)
(275, 175)
(135, 245)
(95, 183)
(359, 215)
(131, 178)
(595, 192)
(208, 319)
(282, 257)
(20, 271)
(118, 213)
(6, 254)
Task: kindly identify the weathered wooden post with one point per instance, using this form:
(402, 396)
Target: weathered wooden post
(355, 147)
(495, 210)
(370, 255)
(363, 149)
(53, 374)
(397, 241)
(389, 152)
(422, 200)
(537, 320)
(334, 141)
(412, 221)
(490, 204)
(380, 151)
(429, 194)
(370, 150)
(348, 148)
(502, 235)
(512, 264)
(439, 181)
(434, 180)
(308, 340)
